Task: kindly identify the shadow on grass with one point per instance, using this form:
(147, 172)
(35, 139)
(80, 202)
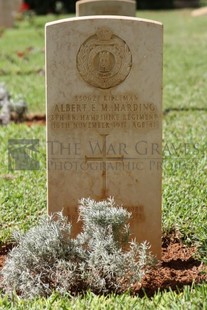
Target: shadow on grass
(184, 109)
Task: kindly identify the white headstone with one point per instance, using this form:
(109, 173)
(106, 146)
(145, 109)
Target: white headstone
(106, 7)
(104, 115)
(8, 9)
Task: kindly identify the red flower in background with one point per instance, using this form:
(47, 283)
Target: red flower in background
(24, 7)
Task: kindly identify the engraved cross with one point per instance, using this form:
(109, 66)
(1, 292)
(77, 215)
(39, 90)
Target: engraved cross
(104, 159)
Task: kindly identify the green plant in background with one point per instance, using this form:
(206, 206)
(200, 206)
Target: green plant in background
(47, 259)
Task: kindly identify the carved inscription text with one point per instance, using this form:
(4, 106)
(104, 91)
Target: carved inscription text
(105, 112)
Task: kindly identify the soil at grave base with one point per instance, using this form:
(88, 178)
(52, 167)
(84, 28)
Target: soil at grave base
(32, 119)
(176, 269)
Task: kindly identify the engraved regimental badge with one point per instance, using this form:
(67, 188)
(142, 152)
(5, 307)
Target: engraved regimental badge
(104, 60)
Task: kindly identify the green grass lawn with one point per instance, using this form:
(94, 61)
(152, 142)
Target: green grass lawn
(23, 193)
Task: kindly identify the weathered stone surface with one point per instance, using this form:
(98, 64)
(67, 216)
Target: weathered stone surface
(8, 9)
(104, 94)
(106, 7)
(6, 13)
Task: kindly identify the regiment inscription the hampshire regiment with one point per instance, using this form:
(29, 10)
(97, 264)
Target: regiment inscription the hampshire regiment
(104, 132)
(107, 111)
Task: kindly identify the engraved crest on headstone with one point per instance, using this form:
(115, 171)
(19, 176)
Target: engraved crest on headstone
(104, 60)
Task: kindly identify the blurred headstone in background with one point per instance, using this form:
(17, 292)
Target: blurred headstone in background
(106, 7)
(8, 9)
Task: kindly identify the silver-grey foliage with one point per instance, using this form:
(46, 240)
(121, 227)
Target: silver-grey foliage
(47, 258)
(15, 109)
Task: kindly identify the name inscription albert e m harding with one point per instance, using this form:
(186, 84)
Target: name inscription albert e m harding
(104, 111)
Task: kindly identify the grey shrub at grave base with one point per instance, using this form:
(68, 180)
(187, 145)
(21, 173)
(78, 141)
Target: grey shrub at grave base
(104, 118)
(106, 7)
(11, 109)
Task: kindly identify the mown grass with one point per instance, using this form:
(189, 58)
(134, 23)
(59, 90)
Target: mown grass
(22, 61)
(185, 74)
(192, 298)
(23, 193)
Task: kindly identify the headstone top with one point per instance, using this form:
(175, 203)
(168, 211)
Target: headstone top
(103, 17)
(106, 7)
